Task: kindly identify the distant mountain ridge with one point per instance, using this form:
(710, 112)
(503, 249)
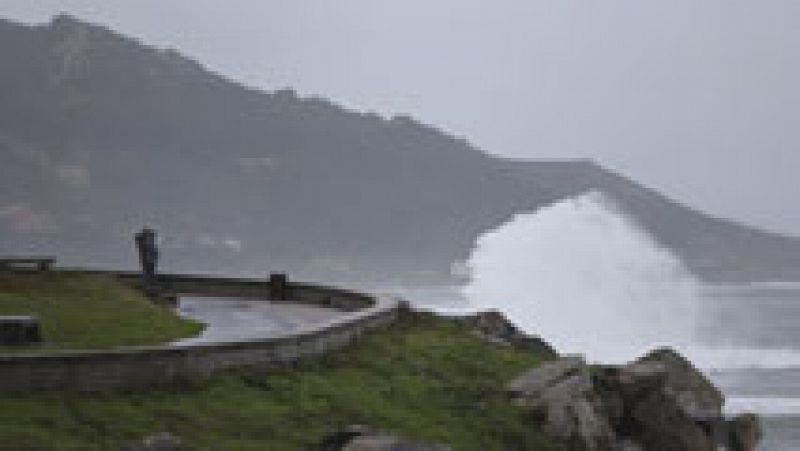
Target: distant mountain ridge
(100, 134)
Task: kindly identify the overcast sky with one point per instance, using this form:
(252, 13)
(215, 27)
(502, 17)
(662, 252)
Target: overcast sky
(699, 99)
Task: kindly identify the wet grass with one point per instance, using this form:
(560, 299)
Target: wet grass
(424, 377)
(80, 311)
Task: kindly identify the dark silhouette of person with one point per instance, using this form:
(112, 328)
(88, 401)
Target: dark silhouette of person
(147, 243)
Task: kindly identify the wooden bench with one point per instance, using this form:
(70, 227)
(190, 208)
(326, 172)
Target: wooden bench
(40, 263)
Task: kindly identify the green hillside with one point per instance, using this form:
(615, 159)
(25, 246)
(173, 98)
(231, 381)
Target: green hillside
(424, 378)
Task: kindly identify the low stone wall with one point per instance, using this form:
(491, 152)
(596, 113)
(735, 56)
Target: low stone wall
(236, 288)
(304, 293)
(139, 367)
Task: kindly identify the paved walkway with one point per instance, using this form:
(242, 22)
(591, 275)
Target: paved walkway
(240, 319)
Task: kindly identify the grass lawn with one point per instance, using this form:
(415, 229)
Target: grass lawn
(424, 377)
(80, 311)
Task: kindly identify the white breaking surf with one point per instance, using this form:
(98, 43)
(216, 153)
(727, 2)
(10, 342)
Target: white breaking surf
(586, 278)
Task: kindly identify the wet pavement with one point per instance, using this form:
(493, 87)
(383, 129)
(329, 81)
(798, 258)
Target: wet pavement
(230, 320)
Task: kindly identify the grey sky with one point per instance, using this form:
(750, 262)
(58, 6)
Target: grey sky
(699, 99)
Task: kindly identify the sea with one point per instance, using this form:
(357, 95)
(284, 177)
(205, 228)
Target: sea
(759, 324)
(588, 279)
(748, 345)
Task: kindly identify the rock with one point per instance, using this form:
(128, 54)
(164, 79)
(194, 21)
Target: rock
(745, 433)
(494, 323)
(163, 441)
(561, 394)
(531, 383)
(660, 402)
(629, 445)
(579, 422)
(533, 343)
(384, 442)
(696, 396)
(364, 438)
(337, 440)
(662, 424)
(493, 326)
(492, 340)
(593, 429)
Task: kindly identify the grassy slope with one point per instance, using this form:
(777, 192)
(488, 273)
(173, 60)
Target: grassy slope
(425, 378)
(89, 312)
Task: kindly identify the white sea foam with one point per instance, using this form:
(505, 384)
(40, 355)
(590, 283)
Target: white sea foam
(740, 357)
(762, 405)
(587, 278)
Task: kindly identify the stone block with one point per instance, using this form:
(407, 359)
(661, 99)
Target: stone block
(19, 330)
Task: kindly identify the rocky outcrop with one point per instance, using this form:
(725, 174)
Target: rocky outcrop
(659, 401)
(667, 403)
(687, 387)
(364, 438)
(561, 395)
(493, 326)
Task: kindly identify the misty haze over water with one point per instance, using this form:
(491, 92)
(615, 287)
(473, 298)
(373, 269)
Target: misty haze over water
(696, 99)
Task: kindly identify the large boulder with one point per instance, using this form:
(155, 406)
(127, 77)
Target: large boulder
(529, 386)
(561, 395)
(661, 424)
(684, 384)
(663, 402)
(660, 401)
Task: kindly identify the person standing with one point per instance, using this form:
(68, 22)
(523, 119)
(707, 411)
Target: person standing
(147, 244)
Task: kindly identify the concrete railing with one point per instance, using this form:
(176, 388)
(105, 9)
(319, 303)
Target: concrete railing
(139, 367)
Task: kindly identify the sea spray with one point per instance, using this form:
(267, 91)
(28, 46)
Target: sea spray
(587, 278)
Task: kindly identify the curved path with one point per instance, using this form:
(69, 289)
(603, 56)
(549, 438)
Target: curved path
(232, 319)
